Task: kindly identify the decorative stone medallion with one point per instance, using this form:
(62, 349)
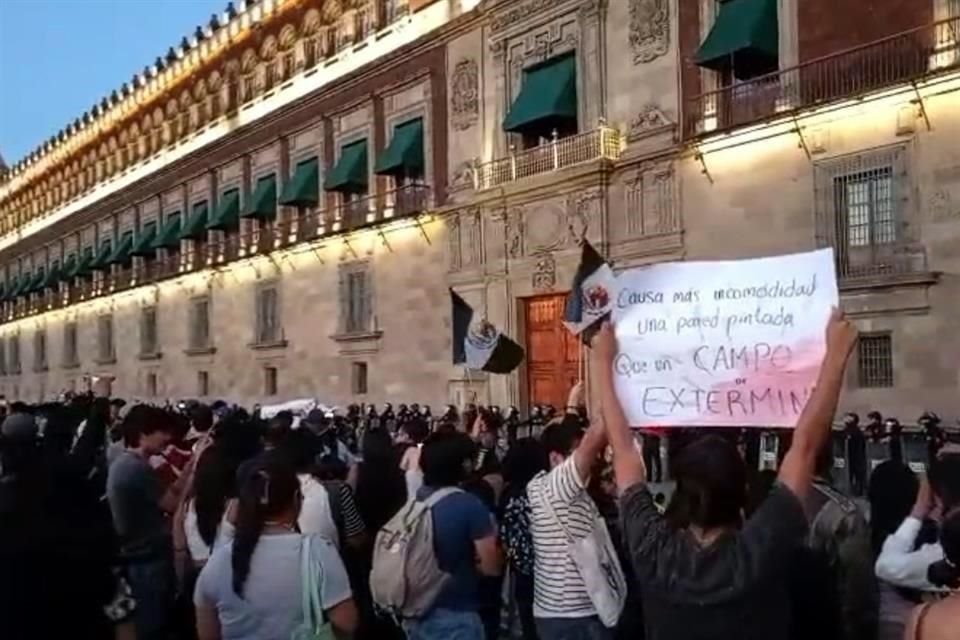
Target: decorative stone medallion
(649, 29)
(465, 94)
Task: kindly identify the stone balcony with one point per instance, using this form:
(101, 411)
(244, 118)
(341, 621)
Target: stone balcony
(601, 143)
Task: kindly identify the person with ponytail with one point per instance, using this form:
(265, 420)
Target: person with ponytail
(941, 620)
(250, 588)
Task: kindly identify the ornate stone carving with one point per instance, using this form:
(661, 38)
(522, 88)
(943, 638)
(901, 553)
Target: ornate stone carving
(650, 204)
(465, 94)
(521, 12)
(545, 273)
(941, 206)
(514, 224)
(650, 118)
(546, 227)
(649, 29)
(581, 207)
(471, 241)
(462, 176)
(453, 240)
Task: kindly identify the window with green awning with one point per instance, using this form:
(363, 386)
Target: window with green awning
(403, 157)
(303, 189)
(143, 244)
(52, 279)
(122, 253)
(262, 203)
(10, 291)
(547, 100)
(745, 38)
(195, 227)
(349, 175)
(227, 215)
(84, 264)
(169, 236)
(69, 268)
(102, 260)
(36, 283)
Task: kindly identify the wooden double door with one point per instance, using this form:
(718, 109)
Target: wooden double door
(553, 353)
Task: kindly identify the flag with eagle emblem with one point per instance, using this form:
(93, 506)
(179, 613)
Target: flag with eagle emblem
(480, 345)
(592, 294)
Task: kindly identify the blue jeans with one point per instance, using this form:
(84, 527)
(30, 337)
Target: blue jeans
(152, 585)
(445, 624)
(573, 629)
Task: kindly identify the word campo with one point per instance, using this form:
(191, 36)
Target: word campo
(661, 402)
(752, 358)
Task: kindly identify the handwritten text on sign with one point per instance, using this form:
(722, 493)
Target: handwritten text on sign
(733, 343)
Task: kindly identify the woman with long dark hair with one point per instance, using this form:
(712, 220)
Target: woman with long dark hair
(251, 588)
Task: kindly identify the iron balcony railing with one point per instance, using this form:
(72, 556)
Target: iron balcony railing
(601, 143)
(911, 55)
(223, 248)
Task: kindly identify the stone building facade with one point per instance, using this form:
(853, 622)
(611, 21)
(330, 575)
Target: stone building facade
(649, 127)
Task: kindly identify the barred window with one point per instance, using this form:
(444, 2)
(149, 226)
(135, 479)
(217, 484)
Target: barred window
(865, 212)
(200, 323)
(70, 352)
(358, 378)
(866, 205)
(267, 315)
(203, 384)
(149, 342)
(151, 385)
(105, 348)
(270, 381)
(356, 299)
(875, 360)
(13, 353)
(40, 350)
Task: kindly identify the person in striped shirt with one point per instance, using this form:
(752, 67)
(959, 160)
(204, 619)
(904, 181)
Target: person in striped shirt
(561, 605)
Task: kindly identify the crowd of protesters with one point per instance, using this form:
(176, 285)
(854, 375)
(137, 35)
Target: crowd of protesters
(211, 522)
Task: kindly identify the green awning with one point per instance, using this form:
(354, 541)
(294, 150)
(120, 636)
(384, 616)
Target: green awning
(102, 260)
(350, 173)
(262, 203)
(303, 189)
(13, 288)
(746, 36)
(227, 215)
(10, 291)
(404, 155)
(36, 284)
(143, 245)
(69, 269)
(122, 253)
(52, 280)
(169, 236)
(195, 227)
(84, 264)
(547, 98)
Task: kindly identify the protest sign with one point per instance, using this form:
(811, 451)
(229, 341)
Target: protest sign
(726, 343)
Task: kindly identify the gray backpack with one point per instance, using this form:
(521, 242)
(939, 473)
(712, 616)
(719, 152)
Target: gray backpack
(406, 578)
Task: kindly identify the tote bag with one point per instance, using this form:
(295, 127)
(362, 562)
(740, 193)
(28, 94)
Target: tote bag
(313, 626)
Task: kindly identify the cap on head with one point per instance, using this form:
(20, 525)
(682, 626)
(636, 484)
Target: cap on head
(19, 427)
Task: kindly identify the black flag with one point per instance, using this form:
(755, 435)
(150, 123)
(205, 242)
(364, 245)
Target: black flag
(478, 344)
(592, 294)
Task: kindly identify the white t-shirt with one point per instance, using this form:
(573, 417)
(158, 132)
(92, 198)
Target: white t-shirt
(316, 516)
(270, 608)
(558, 587)
(199, 550)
